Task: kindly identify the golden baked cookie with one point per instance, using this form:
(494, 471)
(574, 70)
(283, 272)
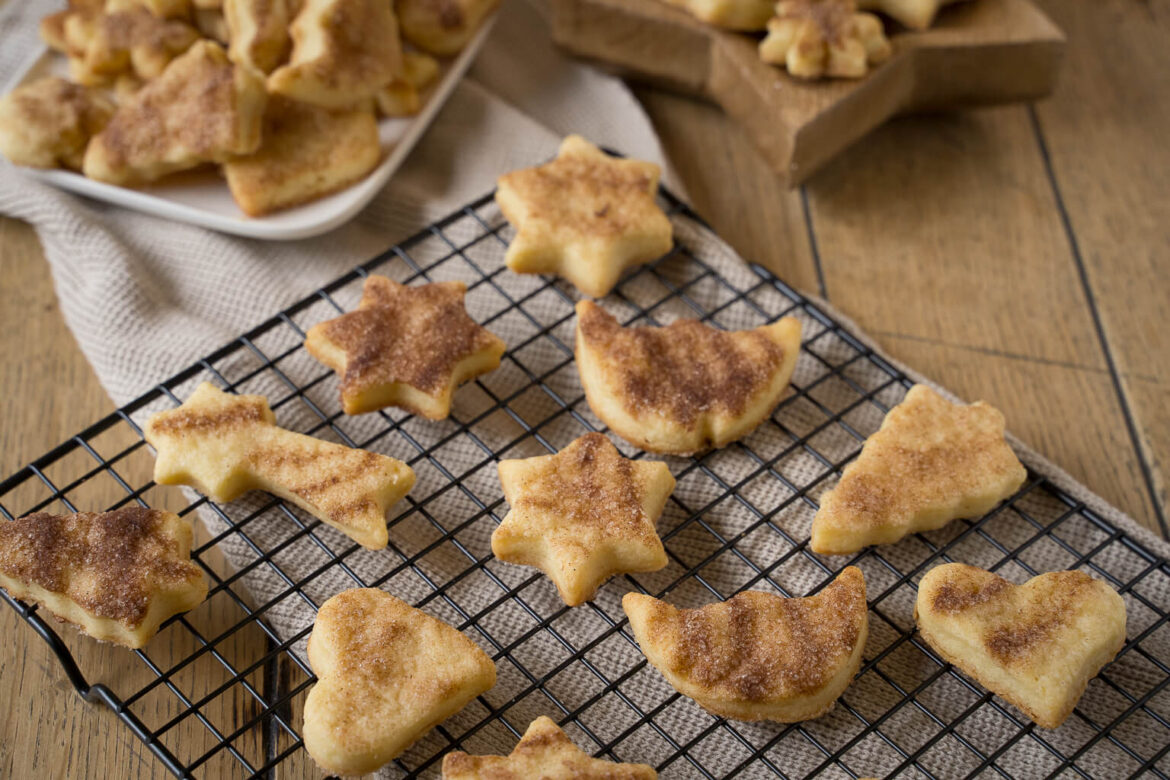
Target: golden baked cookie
(914, 14)
(544, 752)
(583, 515)
(442, 27)
(308, 152)
(48, 122)
(931, 462)
(343, 52)
(162, 9)
(758, 656)
(386, 674)
(105, 45)
(224, 445)
(747, 15)
(405, 346)
(1037, 645)
(210, 23)
(115, 575)
(258, 31)
(686, 387)
(585, 216)
(202, 109)
(815, 38)
(402, 97)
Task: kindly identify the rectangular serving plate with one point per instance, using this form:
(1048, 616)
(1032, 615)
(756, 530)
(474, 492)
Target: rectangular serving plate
(201, 197)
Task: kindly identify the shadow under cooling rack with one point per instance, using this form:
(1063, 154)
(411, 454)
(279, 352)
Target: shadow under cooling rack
(219, 692)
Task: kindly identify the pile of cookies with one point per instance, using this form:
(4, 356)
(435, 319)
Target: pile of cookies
(388, 673)
(283, 95)
(818, 38)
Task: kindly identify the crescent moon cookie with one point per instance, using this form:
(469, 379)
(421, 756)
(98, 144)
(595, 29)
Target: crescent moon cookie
(116, 575)
(545, 752)
(583, 515)
(224, 445)
(686, 387)
(931, 462)
(405, 346)
(1037, 645)
(386, 674)
(585, 217)
(758, 656)
(815, 38)
(914, 14)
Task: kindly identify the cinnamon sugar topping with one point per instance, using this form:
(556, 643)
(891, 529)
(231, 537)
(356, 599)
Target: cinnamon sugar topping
(684, 369)
(111, 564)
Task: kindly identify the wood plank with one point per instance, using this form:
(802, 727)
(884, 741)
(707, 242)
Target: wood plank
(945, 231)
(731, 187)
(1105, 131)
(991, 52)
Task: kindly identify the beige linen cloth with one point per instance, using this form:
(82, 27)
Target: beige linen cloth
(146, 298)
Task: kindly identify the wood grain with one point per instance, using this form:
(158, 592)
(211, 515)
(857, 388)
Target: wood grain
(1105, 135)
(991, 52)
(970, 257)
(942, 235)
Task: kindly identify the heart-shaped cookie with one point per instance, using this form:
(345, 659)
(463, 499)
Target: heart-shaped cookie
(387, 673)
(1037, 645)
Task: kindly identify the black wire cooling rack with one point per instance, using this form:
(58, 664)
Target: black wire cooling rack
(219, 691)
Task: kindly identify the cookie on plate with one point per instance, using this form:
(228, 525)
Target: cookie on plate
(386, 674)
(201, 109)
(758, 656)
(583, 515)
(442, 27)
(405, 346)
(545, 752)
(258, 32)
(686, 387)
(308, 152)
(116, 575)
(1037, 645)
(48, 122)
(343, 52)
(224, 445)
(815, 38)
(585, 216)
(403, 96)
(133, 40)
(931, 462)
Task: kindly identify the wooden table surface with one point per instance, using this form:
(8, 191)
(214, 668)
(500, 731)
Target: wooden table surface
(1020, 255)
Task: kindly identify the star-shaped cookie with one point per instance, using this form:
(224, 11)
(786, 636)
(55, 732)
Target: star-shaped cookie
(585, 216)
(930, 462)
(405, 346)
(546, 752)
(583, 515)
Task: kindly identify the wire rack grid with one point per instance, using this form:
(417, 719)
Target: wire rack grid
(219, 691)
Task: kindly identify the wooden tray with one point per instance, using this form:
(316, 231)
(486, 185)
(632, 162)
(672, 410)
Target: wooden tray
(978, 53)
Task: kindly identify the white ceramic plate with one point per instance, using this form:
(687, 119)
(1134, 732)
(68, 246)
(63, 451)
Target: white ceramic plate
(202, 198)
